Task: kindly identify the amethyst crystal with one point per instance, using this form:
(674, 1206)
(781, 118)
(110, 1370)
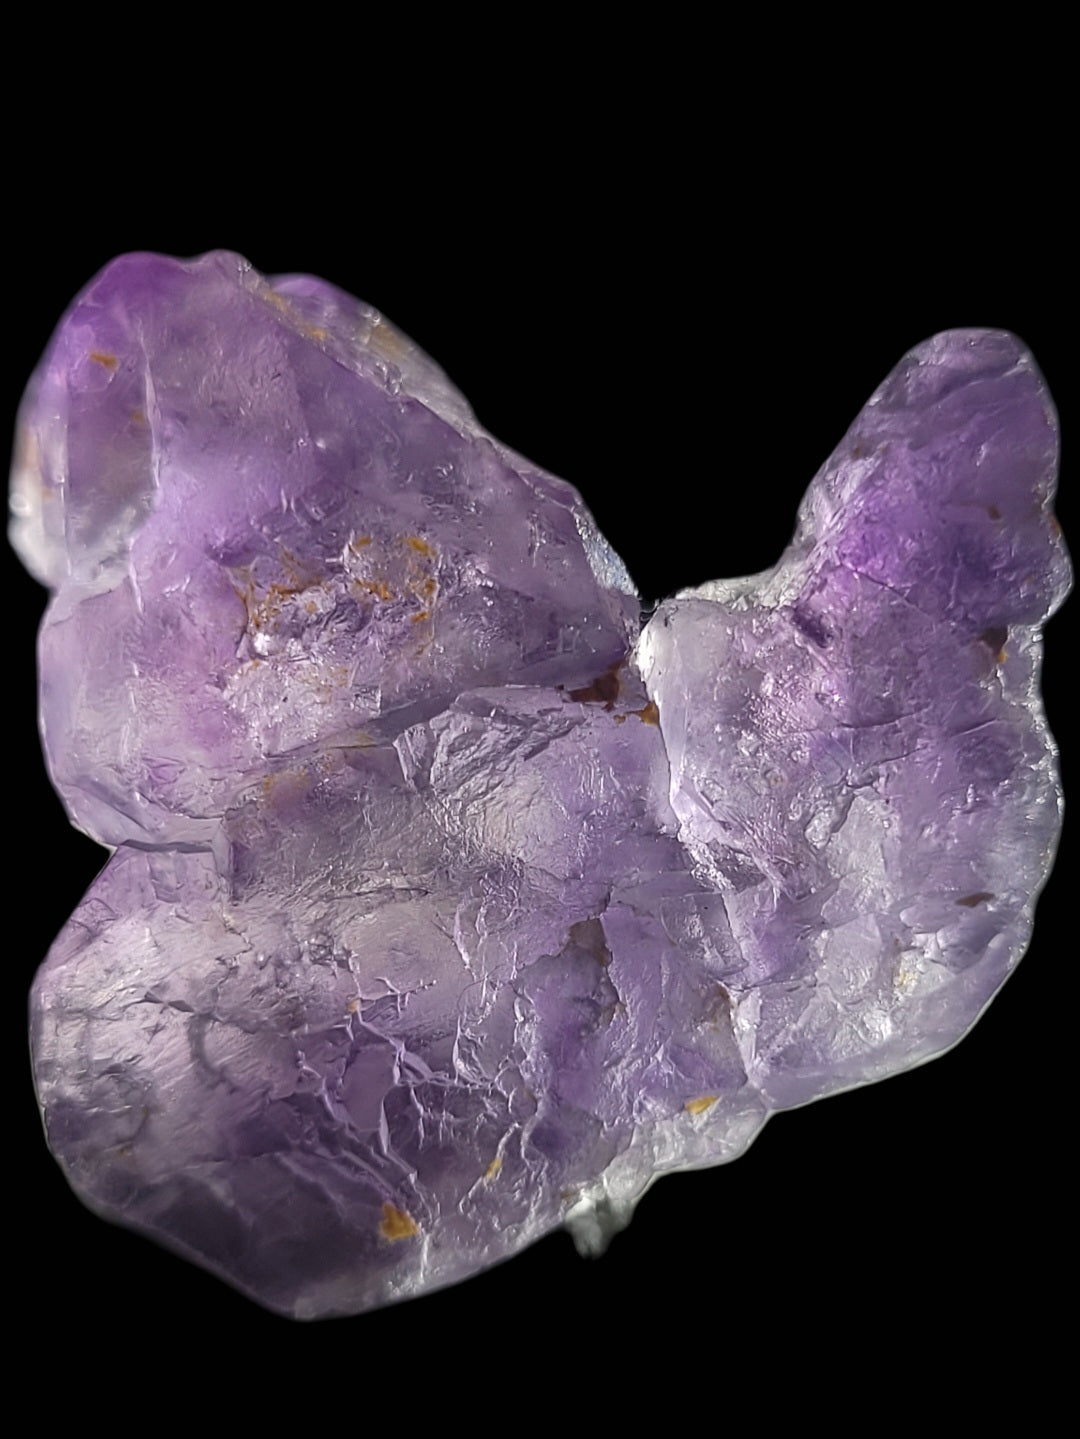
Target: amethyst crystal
(447, 905)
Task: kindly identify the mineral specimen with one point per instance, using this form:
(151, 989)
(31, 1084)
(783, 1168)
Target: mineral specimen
(448, 904)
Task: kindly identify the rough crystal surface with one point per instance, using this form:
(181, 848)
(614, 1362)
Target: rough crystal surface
(448, 904)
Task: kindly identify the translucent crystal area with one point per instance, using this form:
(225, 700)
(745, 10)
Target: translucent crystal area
(448, 903)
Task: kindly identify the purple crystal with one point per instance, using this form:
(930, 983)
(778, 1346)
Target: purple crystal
(448, 908)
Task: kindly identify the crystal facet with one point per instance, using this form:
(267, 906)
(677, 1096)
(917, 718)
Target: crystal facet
(448, 903)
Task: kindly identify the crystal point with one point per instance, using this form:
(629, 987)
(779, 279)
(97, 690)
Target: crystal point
(451, 902)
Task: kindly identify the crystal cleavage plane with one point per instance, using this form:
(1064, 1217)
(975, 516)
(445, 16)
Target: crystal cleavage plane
(448, 904)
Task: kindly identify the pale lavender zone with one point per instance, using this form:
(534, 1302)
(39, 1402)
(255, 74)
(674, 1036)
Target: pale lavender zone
(422, 936)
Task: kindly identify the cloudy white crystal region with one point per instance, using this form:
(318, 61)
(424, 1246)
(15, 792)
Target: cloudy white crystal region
(449, 905)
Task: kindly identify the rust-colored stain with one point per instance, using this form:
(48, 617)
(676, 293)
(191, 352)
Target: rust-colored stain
(385, 340)
(699, 1106)
(421, 546)
(104, 358)
(378, 588)
(604, 689)
(395, 1224)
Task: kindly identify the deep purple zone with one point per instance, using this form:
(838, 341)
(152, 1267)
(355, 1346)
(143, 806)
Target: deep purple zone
(446, 910)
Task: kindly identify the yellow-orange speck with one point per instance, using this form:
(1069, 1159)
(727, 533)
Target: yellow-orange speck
(396, 1224)
(378, 588)
(104, 358)
(494, 1167)
(420, 546)
(699, 1106)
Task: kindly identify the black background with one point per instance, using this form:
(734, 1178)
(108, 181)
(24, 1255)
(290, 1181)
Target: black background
(684, 333)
